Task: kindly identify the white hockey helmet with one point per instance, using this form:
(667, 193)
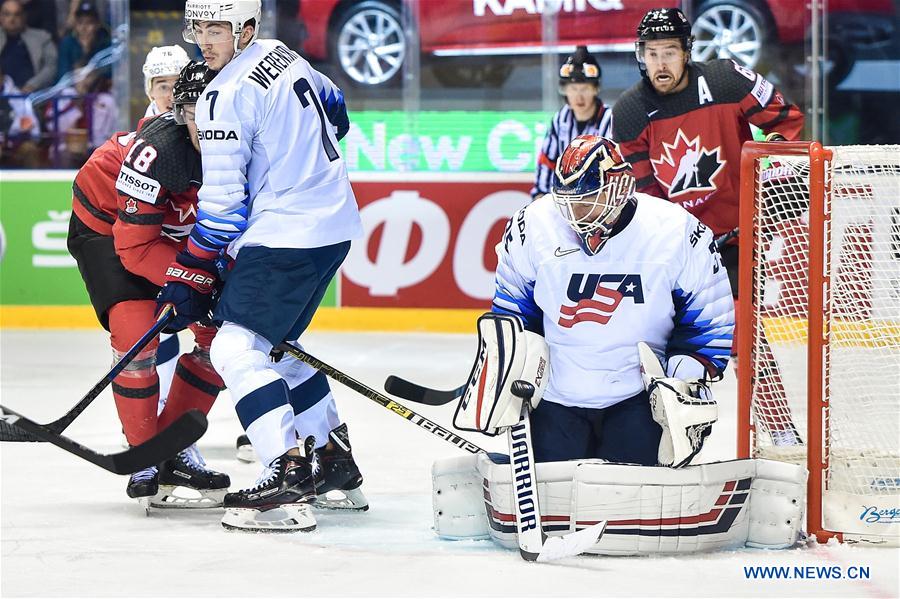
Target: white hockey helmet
(163, 61)
(238, 13)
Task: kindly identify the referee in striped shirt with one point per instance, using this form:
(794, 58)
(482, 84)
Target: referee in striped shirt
(584, 113)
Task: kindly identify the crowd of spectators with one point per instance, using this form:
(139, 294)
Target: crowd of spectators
(39, 51)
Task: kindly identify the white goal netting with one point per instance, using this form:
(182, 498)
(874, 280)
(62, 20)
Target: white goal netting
(861, 360)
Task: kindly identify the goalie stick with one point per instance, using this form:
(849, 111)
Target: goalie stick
(534, 544)
(63, 422)
(187, 429)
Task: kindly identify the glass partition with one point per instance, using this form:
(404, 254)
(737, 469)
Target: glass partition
(471, 85)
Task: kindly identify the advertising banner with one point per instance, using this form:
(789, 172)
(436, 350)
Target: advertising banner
(35, 266)
(430, 243)
(445, 141)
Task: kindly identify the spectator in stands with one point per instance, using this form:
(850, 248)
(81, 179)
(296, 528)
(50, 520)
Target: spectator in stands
(41, 14)
(70, 7)
(27, 55)
(85, 116)
(19, 128)
(87, 38)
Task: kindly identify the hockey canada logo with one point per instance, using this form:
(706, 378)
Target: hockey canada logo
(131, 206)
(597, 296)
(686, 167)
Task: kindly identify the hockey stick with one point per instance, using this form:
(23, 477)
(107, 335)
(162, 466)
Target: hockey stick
(724, 238)
(417, 419)
(187, 429)
(62, 423)
(412, 392)
(534, 544)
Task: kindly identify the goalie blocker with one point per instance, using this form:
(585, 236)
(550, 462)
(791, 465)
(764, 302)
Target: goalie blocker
(719, 506)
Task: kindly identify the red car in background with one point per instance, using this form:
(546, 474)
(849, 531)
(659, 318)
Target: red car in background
(365, 39)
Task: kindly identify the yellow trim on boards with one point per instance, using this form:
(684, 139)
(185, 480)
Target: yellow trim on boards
(401, 320)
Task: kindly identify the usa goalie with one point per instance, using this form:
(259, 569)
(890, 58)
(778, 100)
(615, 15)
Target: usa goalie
(616, 310)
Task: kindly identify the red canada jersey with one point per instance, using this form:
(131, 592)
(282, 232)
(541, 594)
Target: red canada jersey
(686, 147)
(141, 189)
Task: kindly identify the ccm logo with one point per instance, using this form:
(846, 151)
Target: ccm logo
(217, 135)
(200, 279)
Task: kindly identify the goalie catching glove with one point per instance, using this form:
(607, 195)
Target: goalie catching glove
(506, 353)
(682, 405)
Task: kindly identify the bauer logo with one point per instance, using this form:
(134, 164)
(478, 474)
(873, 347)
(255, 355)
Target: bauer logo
(137, 186)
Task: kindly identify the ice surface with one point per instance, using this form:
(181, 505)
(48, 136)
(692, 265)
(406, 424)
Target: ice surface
(67, 528)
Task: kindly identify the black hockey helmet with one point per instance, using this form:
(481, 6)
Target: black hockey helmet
(192, 80)
(580, 67)
(662, 24)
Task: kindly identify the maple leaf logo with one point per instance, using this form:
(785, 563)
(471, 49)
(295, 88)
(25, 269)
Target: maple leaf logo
(685, 166)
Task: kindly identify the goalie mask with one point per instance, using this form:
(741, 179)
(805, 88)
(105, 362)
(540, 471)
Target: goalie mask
(239, 14)
(593, 184)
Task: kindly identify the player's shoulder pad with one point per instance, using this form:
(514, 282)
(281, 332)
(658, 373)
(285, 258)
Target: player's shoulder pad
(728, 80)
(176, 166)
(629, 113)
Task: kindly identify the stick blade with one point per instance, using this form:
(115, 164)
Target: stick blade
(187, 429)
(572, 544)
(410, 391)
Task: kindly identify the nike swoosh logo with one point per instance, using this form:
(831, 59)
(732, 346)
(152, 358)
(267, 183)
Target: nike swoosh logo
(559, 253)
(650, 114)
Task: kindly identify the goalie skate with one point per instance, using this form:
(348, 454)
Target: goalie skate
(279, 500)
(186, 483)
(338, 480)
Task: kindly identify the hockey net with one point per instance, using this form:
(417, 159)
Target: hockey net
(819, 371)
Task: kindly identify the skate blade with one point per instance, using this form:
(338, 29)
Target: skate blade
(246, 454)
(350, 500)
(186, 498)
(295, 517)
(144, 502)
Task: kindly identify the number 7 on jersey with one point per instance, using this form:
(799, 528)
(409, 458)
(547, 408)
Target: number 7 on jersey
(301, 88)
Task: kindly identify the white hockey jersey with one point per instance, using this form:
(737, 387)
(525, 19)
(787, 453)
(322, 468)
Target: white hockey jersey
(272, 172)
(659, 280)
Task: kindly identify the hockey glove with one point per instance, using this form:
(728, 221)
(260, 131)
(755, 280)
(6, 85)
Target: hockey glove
(190, 287)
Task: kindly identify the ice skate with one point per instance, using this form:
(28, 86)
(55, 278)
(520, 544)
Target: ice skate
(279, 502)
(338, 481)
(185, 482)
(143, 485)
(244, 450)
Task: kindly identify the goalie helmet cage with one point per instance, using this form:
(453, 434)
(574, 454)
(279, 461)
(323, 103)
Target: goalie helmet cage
(819, 340)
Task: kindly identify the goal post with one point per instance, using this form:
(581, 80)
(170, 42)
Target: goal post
(819, 339)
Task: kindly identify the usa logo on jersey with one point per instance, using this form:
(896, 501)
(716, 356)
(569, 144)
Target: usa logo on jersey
(597, 296)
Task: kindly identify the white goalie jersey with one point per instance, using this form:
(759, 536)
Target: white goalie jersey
(273, 175)
(659, 280)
